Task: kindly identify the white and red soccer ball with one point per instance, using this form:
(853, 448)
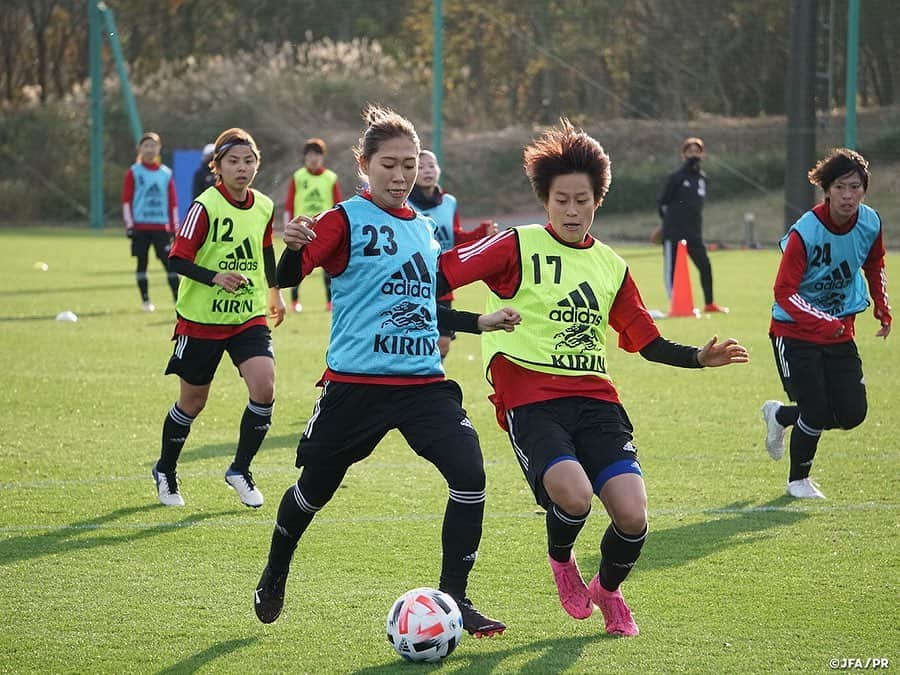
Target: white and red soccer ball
(424, 624)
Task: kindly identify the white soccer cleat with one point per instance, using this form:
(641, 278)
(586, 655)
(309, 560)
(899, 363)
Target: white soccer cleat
(167, 488)
(148, 306)
(774, 431)
(242, 482)
(804, 489)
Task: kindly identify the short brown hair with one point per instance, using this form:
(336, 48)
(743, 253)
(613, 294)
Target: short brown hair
(564, 150)
(839, 162)
(383, 124)
(315, 145)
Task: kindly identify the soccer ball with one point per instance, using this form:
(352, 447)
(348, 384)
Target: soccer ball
(424, 624)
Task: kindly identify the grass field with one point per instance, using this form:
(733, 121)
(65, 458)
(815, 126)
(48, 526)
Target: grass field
(98, 577)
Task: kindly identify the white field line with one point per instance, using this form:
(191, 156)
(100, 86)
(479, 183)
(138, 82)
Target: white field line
(229, 523)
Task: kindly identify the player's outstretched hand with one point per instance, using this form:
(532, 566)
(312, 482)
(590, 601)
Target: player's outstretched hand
(884, 331)
(505, 318)
(299, 232)
(276, 306)
(230, 281)
(715, 353)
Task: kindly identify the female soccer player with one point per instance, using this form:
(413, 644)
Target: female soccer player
(150, 212)
(383, 368)
(818, 293)
(224, 252)
(428, 198)
(552, 391)
(313, 189)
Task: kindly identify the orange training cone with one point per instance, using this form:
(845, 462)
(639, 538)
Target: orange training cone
(682, 296)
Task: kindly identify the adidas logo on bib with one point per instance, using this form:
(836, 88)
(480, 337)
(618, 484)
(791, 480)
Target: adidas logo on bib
(579, 306)
(240, 259)
(412, 279)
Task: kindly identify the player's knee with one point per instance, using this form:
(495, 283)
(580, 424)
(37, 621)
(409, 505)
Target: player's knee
(315, 488)
(575, 499)
(816, 417)
(193, 403)
(467, 478)
(466, 470)
(632, 519)
(848, 419)
(264, 391)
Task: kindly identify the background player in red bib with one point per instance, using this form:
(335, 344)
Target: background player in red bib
(571, 435)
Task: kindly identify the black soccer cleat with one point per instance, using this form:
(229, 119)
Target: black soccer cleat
(268, 599)
(476, 623)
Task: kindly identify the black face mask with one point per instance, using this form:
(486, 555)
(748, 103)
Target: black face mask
(693, 162)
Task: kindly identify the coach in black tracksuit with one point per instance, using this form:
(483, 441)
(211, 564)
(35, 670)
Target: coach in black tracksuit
(681, 210)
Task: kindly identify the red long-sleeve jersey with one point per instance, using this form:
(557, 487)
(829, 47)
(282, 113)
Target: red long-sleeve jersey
(188, 241)
(810, 323)
(461, 236)
(496, 261)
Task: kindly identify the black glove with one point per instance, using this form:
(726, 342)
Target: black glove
(129, 232)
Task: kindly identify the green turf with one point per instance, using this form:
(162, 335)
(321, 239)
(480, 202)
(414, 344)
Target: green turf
(97, 577)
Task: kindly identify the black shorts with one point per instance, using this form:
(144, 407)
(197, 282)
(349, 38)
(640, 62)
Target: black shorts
(809, 371)
(444, 332)
(596, 433)
(142, 239)
(195, 360)
(349, 420)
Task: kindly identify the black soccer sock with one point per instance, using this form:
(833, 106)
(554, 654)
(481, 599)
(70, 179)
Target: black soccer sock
(460, 537)
(175, 432)
(254, 426)
(804, 441)
(295, 294)
(141, 278)
(562, 531)
(787, 415)
(618, 554)
(295, 513)
(173, 283)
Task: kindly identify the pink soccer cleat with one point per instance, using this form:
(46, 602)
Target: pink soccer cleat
(573, 594)
(616, 614)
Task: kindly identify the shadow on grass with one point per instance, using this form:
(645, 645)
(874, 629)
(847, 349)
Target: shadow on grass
(226, 450)
(736, 524)
(194, 663)
(92, 533)
(549, 656)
